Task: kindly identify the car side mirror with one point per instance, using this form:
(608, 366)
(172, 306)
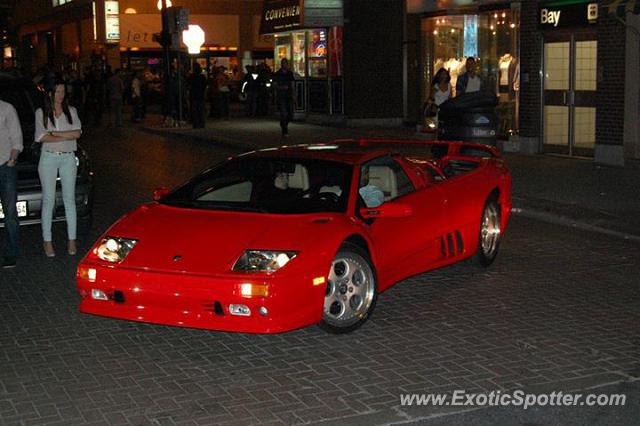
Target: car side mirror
(159, 193)
(389, 209)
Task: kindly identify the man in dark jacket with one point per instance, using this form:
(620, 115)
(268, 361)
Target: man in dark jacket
(197, 90)
(283, 80)
(469, 82)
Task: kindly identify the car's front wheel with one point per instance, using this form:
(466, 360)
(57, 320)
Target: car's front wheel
(351, 291)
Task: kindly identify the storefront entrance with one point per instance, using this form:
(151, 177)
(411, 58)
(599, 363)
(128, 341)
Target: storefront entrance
(569, 115)
(492, 38)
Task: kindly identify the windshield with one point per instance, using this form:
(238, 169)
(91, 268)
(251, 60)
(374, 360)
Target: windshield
(268, 185)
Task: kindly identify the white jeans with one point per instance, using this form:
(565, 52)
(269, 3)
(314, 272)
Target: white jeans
(50, 165)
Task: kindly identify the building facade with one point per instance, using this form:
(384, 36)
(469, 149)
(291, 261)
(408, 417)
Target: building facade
(347, 57)
(563, 70)
(76, 33)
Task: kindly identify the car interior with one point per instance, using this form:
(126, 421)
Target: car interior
(385, 179)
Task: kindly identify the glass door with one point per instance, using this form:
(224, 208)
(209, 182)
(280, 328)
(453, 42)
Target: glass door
(569, 115)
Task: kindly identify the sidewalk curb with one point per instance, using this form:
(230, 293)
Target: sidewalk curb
(556, 219)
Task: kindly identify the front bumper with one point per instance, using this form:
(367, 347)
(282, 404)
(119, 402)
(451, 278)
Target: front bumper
(196, 301)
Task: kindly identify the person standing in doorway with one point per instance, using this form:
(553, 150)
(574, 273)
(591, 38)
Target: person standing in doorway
(10, 148)
(57, 129)
(469, 82)
(283, 80)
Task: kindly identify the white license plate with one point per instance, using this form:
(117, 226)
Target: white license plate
(483, 132)
(22, 209)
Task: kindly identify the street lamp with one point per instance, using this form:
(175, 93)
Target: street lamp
(193, 38)
(160, 6)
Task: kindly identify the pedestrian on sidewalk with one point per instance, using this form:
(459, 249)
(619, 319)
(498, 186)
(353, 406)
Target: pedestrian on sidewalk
(197, 89)
(470, 81)
(77, 92)
(250, 89)
(440, 91)
(10, 148)
(95, 95)
(223, 92)
(136, 97)
(283, 80)
(116, 91)
(57, 129)
(263, 100)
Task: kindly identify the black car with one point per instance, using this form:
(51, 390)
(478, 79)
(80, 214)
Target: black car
(26, 98)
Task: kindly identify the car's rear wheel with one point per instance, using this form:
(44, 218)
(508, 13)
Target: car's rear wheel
(351, 291)
(490, 234)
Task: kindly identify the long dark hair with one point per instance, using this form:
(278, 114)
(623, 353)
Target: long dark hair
(49, 100)
(438, 76)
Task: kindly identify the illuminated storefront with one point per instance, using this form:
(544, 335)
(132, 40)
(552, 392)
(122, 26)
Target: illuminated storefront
(314, 50)
(492, 37)
(120, 33)
(138, 48)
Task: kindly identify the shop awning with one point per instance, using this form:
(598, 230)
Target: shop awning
(286, 15)
(281, 15)
(622, 7)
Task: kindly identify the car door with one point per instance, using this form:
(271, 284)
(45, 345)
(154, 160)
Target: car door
(465, 195)
(404, 245)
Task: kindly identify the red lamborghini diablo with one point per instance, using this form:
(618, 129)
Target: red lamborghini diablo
(282, 238)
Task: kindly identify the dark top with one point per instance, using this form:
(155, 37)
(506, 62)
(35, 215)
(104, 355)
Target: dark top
(283, 80)
(197, 86)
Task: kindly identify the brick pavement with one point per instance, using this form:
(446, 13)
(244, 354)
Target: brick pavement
(557, 311)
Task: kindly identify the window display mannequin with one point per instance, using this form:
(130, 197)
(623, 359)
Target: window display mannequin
(503, 63)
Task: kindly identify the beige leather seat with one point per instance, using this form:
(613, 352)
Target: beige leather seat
(299, 179)
(385, 179)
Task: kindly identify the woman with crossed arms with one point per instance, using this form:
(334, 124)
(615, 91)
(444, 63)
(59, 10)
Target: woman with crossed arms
(57, 128)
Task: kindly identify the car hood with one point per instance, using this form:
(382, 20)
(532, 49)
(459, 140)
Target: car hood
(175, 239)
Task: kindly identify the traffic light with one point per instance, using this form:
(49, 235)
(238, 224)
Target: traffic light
(178, 18)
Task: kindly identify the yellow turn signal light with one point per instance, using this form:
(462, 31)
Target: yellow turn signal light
(86, 273)
(254, 290)
(319, 281)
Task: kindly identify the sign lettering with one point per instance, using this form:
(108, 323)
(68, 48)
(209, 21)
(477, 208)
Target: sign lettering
(550, 17)
(577, 14)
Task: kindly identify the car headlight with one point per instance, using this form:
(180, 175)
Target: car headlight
(114, 249)
(263, 260)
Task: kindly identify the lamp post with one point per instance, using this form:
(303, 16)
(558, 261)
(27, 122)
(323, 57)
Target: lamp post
(165, 39)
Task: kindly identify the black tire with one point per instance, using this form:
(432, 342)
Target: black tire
(490, 234)
(352, 291)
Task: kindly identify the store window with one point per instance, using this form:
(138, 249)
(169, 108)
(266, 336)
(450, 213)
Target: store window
(309, 51)
(283, 48)
(317, 47)
(490, 37)
(299, 54)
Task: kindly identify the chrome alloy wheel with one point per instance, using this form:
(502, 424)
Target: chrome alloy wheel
(490, 230)
(350, 290)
